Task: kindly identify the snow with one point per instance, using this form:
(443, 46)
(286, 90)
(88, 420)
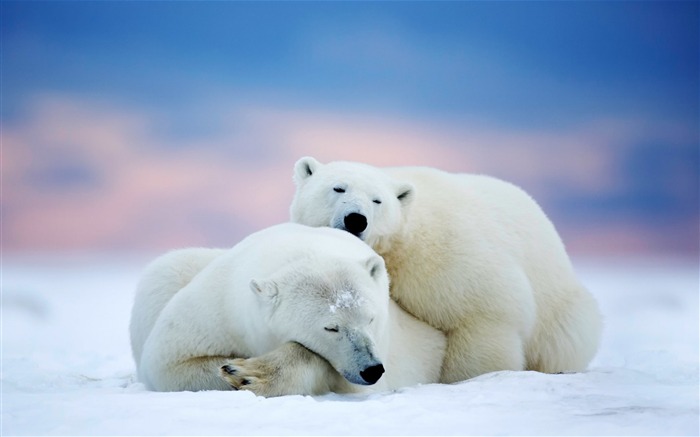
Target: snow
(346, 299)
(67, 368)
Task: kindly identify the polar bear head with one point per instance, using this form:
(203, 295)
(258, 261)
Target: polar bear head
(336, 307)
(353, 197)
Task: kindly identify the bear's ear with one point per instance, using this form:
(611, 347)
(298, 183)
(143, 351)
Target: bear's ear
(375, 266)
(267, 289)
(304, 168)
(404, 192)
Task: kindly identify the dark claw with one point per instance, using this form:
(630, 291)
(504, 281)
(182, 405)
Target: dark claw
(228, 369)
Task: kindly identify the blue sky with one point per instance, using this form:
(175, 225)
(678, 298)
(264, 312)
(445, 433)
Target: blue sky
(513, 62)
(617, 81)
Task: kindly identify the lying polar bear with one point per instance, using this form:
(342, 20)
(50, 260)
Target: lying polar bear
(473, 256)
(289, 310)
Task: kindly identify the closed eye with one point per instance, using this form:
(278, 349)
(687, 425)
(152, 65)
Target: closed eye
(377, 201)
(333, 328)
(339, 189)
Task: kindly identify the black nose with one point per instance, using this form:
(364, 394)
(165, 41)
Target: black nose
(372, 373)
(355, 223)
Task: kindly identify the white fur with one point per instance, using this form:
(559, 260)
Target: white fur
(471, 255)
(260, 308)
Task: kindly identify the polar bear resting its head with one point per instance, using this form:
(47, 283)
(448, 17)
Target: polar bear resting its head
(289, 310)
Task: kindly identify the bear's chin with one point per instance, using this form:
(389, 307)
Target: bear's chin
(355, 379)
(361, 235)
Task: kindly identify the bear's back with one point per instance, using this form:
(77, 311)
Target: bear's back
(265, 251)
(477, 208)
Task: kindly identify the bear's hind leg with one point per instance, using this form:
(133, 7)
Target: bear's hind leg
(475, 349)
(568, 338)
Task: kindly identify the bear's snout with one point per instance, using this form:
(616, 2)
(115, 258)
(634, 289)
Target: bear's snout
(355, 223)
(372, 373)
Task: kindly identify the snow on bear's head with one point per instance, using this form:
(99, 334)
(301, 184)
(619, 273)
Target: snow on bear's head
(353, 197)
(336, 307)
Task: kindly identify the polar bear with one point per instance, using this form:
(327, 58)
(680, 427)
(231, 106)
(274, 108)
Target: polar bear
(289, 310)
(471, 255)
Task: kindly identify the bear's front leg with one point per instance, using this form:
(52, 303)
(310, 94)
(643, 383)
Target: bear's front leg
(290, 369)
(479, 348)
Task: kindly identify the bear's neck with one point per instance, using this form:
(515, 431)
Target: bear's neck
(391, 247)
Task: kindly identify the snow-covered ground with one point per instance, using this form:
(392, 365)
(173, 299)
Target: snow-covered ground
(67, 368)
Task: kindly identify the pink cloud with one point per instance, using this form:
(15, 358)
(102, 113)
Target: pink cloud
(212, 191)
